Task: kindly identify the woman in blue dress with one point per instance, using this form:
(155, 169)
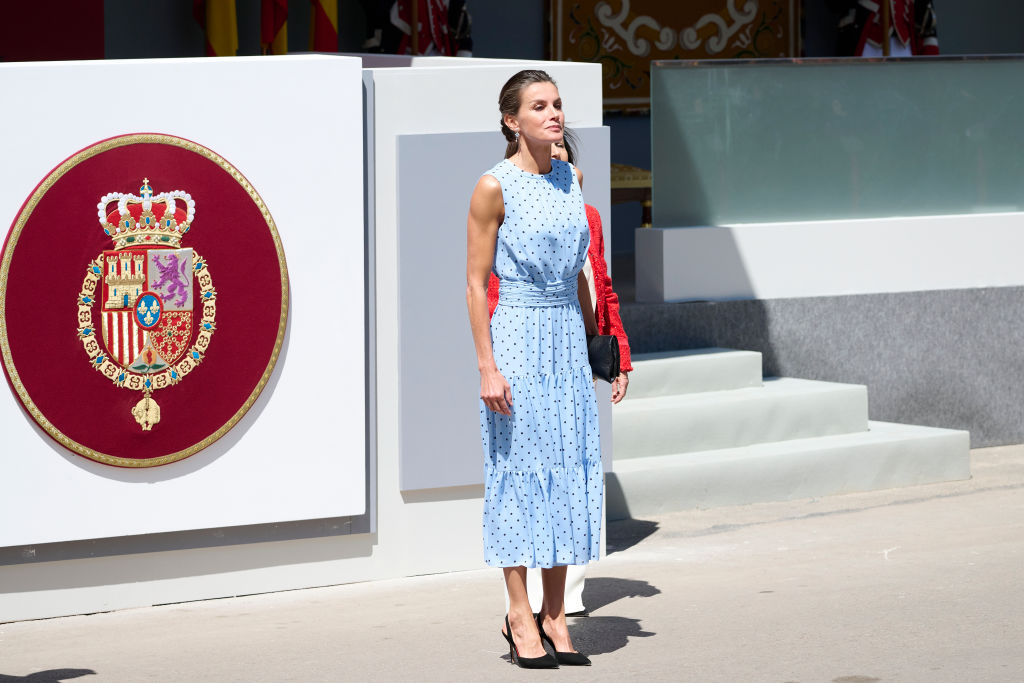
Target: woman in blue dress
(538, 413)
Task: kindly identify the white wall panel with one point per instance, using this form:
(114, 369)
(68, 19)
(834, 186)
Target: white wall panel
(417, 532)
(293, 127)
(451, 99)
(438, 381)
(829, 258)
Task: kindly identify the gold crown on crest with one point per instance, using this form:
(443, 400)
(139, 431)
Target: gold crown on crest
(146, 220)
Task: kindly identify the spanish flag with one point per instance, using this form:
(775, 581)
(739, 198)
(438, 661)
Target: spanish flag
(274, 27)
(323, 26)
(217, 17)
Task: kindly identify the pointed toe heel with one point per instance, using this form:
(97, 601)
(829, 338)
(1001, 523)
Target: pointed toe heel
(563, 658)
(545, 662)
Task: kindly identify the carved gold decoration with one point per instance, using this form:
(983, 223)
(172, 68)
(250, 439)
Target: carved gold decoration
(624, 36)
(146, 413)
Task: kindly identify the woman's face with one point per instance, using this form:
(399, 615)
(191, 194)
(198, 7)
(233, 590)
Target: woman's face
(559, 152)
(540, 116)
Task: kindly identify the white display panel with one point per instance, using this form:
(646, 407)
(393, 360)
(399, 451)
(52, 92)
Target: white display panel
(425, 100)
(415, 532)
(435, 344)
(829, 258)
(458, 98)
(293, 127)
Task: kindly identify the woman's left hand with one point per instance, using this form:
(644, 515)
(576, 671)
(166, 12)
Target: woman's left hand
(619, 387)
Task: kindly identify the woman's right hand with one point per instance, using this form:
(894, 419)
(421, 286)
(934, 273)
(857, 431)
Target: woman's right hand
(495, 391)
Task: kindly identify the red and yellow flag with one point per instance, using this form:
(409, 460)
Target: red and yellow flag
(218, 18)
(323, 26)
(274, 27)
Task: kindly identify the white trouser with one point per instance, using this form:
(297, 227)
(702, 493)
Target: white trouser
(573, 588)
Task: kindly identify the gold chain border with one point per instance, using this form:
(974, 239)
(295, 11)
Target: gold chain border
(124, 377)
(5, 265)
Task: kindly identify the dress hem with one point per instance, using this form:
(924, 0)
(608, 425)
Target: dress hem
(543, 566)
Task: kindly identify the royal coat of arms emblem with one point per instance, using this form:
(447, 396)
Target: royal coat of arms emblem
(116, 338)
(157, 305)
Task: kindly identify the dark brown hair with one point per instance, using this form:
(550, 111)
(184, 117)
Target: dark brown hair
(570, 142)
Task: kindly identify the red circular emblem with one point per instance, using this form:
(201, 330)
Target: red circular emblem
(143, 300)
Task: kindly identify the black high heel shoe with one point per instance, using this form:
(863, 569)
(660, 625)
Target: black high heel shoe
(545, 662)
(566, 658)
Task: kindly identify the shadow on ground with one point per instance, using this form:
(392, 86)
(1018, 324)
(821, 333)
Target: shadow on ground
(626, 533)
(597, 635)
(48, 676)
(600, 635)
(604, 590)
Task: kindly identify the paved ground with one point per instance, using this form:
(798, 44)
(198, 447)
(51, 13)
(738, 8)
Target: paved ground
(915, 584)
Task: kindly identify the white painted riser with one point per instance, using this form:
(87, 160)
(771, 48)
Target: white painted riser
(699, 430)
(887, 456)
(684, 372)
(781, 410)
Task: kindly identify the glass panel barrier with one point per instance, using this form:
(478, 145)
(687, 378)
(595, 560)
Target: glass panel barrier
(796, 140)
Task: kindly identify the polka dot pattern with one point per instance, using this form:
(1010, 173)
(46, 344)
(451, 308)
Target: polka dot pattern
(543, 475)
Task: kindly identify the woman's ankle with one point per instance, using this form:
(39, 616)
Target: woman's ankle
(520, 619)
(547, 615)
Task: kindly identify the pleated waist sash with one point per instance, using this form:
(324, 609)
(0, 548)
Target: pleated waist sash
(536, 294)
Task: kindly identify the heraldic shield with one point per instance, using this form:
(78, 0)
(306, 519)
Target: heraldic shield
(146, 296)
(158, 367)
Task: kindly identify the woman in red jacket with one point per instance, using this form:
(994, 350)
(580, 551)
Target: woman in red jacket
(606, 302)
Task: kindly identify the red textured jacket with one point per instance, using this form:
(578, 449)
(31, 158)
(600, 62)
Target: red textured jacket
(607, 304)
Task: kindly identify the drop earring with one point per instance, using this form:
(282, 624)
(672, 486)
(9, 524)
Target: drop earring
(517, 136)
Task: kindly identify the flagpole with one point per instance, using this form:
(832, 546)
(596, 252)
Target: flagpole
(415, 27)
(886, 28)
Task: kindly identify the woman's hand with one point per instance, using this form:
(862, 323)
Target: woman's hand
(495, 391)
(619, 387)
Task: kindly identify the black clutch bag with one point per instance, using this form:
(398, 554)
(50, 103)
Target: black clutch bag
(603, 350)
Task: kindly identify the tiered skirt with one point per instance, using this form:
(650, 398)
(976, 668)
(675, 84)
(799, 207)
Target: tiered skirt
(543, 496)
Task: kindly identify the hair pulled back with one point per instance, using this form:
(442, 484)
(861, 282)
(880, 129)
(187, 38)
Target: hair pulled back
(570, 142)
(510, 98)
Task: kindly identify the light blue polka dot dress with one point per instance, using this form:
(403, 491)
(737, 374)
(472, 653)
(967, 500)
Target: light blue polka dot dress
(543, 483)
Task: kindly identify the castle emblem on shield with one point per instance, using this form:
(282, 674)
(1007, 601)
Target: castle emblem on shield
(147, 308)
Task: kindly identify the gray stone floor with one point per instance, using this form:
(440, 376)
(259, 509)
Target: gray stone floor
(914, 584)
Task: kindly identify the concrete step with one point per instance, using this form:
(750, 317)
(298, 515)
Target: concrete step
(697, 370)
(886, 456)
(780, 410)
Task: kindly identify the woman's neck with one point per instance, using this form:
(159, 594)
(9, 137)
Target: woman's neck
(533, 160)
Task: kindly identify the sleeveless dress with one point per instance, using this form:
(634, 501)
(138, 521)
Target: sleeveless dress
(543, 485)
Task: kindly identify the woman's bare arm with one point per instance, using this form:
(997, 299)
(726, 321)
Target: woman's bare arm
(583, 292)
(486, 211)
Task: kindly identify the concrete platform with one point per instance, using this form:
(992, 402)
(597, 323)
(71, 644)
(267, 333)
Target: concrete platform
(706, 431)
(912, 585)
(783, 409)
(887, 455)
(692, 371)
